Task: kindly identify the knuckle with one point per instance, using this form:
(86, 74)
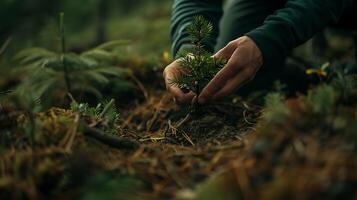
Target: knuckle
(231, 43)
(166, 70)
(205, 94)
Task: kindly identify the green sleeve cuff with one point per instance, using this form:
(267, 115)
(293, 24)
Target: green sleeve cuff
(272, 53)
(293, 25)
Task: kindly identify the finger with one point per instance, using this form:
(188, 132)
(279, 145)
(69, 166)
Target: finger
(169, 75)
(180, 96)
(234, 84)
(226, 52)
(220, 80)
(194, 100)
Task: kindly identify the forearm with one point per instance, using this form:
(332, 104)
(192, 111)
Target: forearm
(294, 24)
(182, 14)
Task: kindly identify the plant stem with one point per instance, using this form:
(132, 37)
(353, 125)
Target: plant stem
(199, 57)
(63, 48)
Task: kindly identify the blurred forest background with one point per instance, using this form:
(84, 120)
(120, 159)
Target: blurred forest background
(88, 23)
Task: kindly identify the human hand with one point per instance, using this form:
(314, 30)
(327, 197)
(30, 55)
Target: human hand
(244, 60)
(170, 72)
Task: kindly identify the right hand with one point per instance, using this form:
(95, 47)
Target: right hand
(170, 72)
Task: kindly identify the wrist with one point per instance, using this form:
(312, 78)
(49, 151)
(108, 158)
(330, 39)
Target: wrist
(256, 51)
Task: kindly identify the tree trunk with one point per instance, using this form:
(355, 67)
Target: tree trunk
(101, 21)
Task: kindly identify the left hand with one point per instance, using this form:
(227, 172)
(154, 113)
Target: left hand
(244, 60)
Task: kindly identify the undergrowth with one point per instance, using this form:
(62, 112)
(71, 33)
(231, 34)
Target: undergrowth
(52, 75)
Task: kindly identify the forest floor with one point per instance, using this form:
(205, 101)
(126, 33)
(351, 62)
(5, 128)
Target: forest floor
(228, 151)
(300, 146)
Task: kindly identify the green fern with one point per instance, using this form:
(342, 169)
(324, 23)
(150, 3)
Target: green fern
(198, 66)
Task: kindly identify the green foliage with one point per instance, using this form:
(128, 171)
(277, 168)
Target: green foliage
(197, 65)
(344, 85)
(25, 100)
(276, 111)
(27, 103)
(48, 71)
(199, 30)
(219, 186)
(279, 86)
(322, 99)
(105, 110)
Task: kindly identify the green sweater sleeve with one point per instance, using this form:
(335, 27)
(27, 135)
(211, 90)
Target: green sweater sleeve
(294, 24)
(182, 14)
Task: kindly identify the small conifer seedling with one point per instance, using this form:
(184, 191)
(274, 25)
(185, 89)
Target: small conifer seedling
(197, 65)
(53, 74)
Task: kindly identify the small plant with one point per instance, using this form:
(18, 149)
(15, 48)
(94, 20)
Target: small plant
(54, 74)
(103, 124)
(105, 111)
(197, 65)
